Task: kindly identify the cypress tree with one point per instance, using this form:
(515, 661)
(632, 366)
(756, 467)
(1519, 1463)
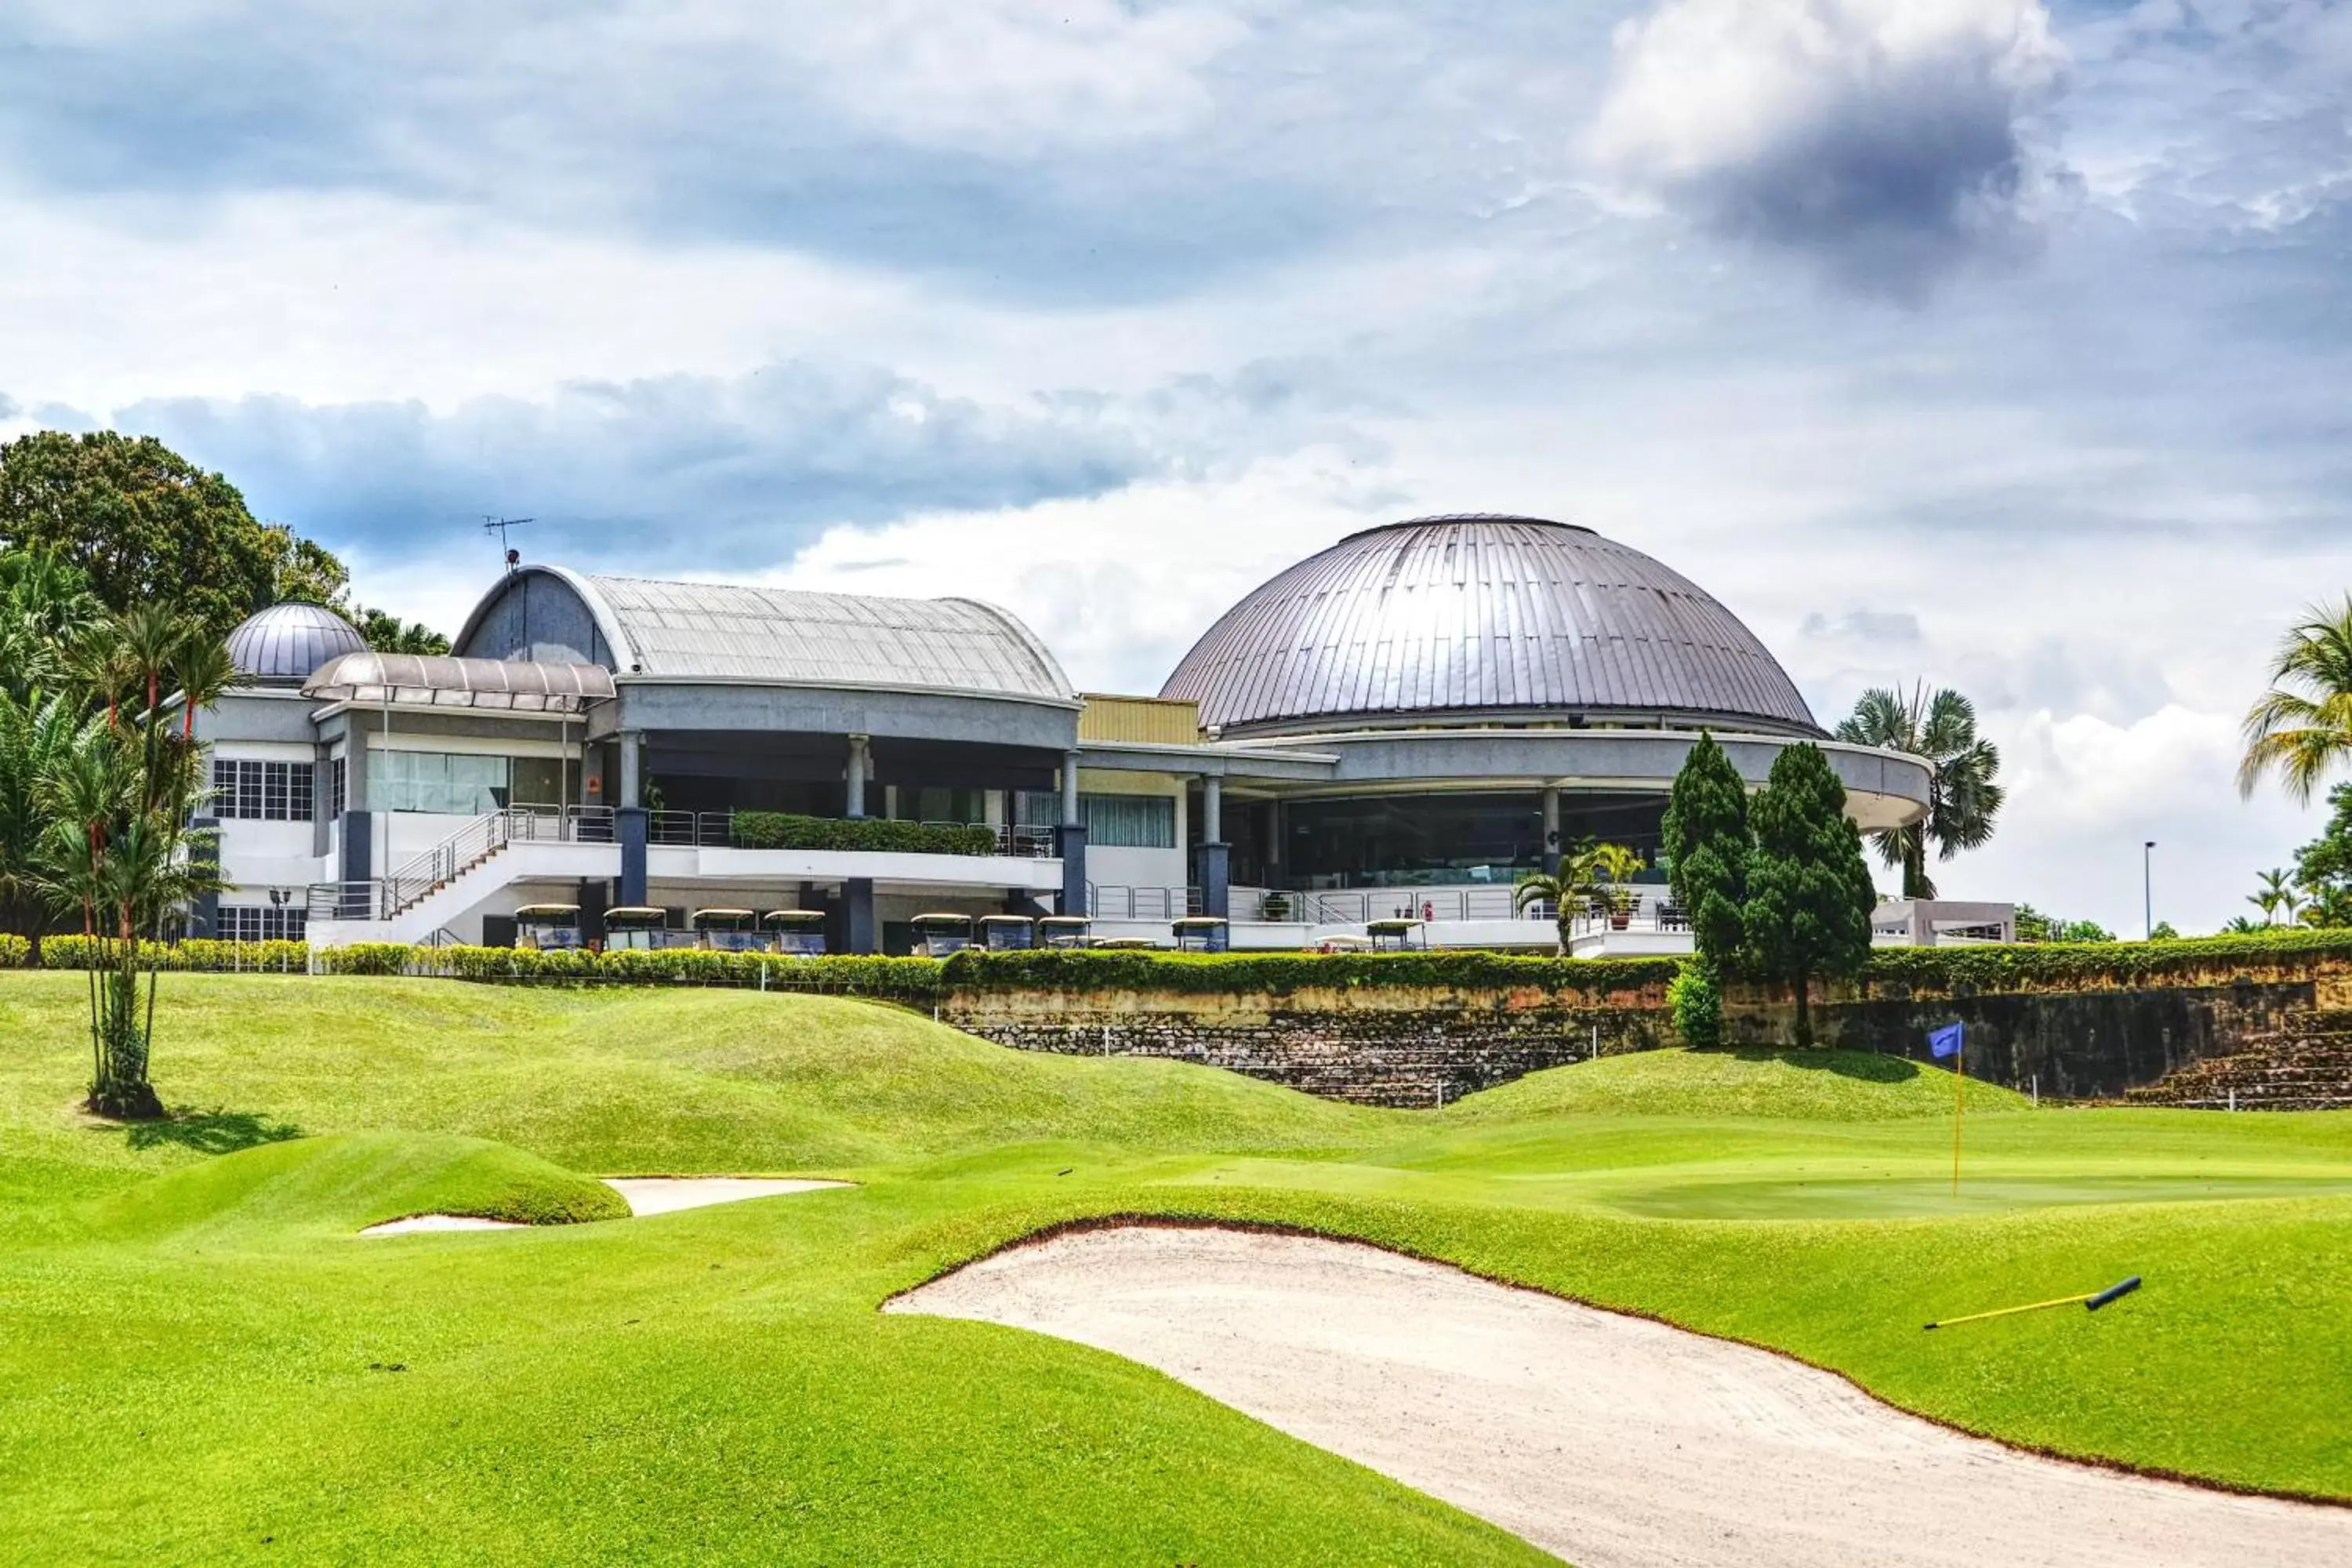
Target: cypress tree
(1809, 889)
(1706, 845)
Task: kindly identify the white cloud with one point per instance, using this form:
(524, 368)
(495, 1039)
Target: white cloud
(1120, 585)
(1882, 134)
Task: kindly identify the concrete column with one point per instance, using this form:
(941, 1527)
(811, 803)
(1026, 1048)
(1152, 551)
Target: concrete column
(1070, 818)
(359, 845)
(1211, 868)
(1070, 843)
(204, 851)
(854, 798)
(629, 822)
(632, 766)
(864, 931)
(1552, 831)
(1213, 860)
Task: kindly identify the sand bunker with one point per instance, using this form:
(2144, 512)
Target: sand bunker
(1616, 1442)
(645, 1195)
(665, 1194)
(417, 1222)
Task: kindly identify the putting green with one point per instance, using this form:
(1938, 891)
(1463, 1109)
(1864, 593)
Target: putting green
(203, 1362)
(1889, 1197)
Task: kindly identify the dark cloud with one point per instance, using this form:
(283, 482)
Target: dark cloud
(705, 471)
(1894, 147)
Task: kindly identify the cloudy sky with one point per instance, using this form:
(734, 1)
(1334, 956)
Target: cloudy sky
(1967, 340)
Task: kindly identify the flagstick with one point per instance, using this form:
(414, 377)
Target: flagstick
(1959, 1077)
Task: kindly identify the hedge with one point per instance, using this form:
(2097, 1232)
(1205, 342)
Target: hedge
(194, 955)
(14, 950)
(783, 830)
(2036, 966)
(907, 979)
(1280, 974)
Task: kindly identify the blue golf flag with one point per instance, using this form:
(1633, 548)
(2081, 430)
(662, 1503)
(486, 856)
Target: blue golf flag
(1945, 1041)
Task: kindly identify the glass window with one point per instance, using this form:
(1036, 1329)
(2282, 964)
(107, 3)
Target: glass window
(449, 783)
(545, 781)
(338, 788)
(249, 790)
(1128, 821)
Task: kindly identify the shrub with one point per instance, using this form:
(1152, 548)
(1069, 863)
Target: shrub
(2029, 965)
(783, 830)
(194, 955)
(1698, 1002)
(14, 950)
(367, 958)
(1280, 974)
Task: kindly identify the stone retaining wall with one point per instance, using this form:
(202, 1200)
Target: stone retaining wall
(1389, 1046)
(1427, 1046)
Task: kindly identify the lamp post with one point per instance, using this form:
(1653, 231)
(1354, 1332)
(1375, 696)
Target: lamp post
(2147, 889)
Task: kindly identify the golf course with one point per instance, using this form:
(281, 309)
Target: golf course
(204, 1362)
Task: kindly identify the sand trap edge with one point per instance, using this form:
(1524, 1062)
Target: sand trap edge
(1278, 1227)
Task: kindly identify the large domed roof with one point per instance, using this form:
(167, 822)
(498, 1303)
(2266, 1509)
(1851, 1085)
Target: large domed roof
(1465, 619)
(286, 644)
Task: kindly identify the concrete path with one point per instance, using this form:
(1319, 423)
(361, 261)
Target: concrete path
(1613, 1441)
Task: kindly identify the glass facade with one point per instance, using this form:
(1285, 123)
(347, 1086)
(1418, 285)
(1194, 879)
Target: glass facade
(1112, 821)
(458, 783)
(1426, 841)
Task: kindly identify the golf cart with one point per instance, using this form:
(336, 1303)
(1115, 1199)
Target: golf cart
(550, 928)
(938, 935)
(797, 933)
(1007, 934)
(725, 931)
(1065, 930)
(638, 927)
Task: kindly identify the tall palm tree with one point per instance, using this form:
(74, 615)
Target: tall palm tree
(2276, 894)
(2303, 725)
(1963, 797)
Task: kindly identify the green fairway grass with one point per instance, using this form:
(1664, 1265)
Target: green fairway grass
(202, 1361)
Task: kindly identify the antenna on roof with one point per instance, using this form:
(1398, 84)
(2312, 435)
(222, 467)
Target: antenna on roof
(498, 525)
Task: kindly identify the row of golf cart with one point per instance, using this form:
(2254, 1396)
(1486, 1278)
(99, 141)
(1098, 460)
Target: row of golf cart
(800, 933)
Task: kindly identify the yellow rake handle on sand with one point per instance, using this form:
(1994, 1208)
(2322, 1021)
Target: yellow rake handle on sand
(2093, 1300)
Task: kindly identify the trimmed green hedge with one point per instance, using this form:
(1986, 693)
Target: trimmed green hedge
(2039, 965)
(783, 830)
(195, 955)
(1280, 974)
(14, 950)
(907, 979)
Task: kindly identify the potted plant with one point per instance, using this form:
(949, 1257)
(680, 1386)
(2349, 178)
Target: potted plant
(1274, 907)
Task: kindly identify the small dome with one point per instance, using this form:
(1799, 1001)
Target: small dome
(1465, 620)
(286, 644)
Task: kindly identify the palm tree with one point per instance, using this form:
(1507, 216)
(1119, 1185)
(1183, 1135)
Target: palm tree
(1547, 888)
(2278, 893)
(2303, 725)
(33, 741)
(1962, 797)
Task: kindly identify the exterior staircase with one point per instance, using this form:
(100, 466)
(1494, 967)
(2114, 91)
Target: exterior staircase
(427, 874)
(2306, 1065)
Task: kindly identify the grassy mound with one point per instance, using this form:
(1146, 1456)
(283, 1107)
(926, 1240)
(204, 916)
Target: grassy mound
(1798, 1086)
(717, 1386)
(651, 1081)
(342, 1184)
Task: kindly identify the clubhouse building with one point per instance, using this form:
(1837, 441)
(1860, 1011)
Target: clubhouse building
(1399, 726)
